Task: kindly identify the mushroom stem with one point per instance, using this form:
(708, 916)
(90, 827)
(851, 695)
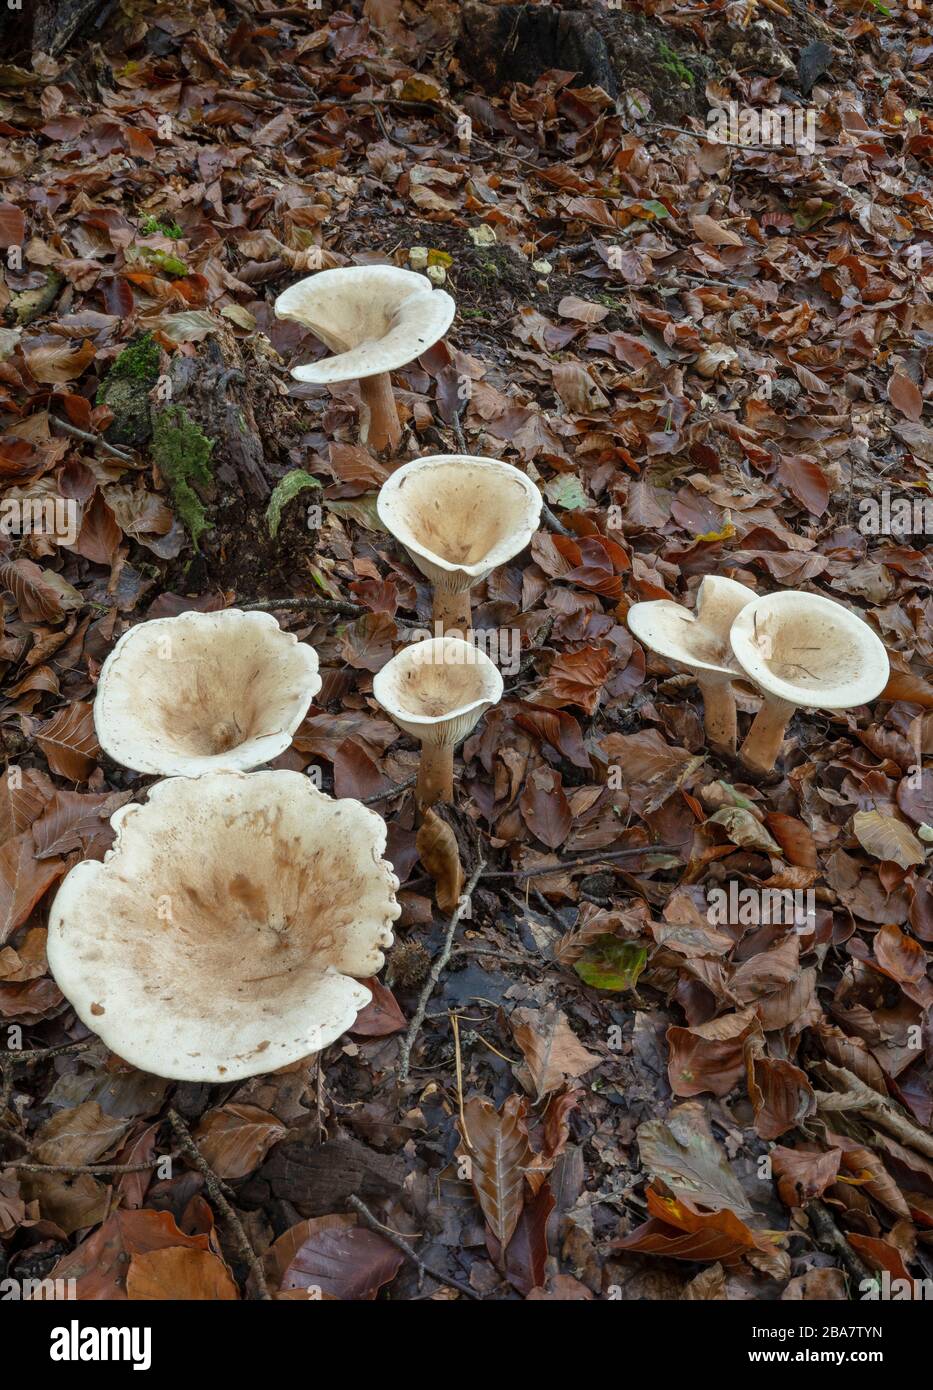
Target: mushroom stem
(763, 741)
(381, 427)
(718, 713)
(435, 774)
(452, 611)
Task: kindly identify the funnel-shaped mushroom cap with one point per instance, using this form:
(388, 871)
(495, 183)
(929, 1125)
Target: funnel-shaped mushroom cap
(221, 934)
(437, 690)
(809, 651)
(459, 515)
(699, 641)
(204, 692)
(374, 317)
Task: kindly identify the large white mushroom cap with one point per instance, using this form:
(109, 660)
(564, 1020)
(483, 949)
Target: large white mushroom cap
(459, 516)
(698, 641)
(202, 692)
(376, 318)
(810, 651)
(222, 933)
(437, 690)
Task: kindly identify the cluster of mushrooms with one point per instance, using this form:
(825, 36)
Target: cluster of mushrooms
(798, 649)
(227, 930)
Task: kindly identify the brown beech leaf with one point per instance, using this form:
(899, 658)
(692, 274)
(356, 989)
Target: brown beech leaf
(711, 1056)
(236, 1138)
(712, 232)
(805, 479)
(23, 880)
(527, 1251)
(684, 1154)
(36, 597)
(497, 1147)
(335, 1255)
(552, 1051)
(545, 808)
(582, 310)
(802, 1174)
(12, 226)
(366, 644)
(57, 364)
(557, 728)
(99, 1263)
(575, 678)
(794, 838)
(355, 773)
(438, 852)
(178, 1273)
(678, 1230)
(100, 535)
(887, 838)
(69, 742)
(77, 821)
(905, 396)
(24, 793)
(79, 1135)
(781, 1095)
(899, 956)
(381, 1016)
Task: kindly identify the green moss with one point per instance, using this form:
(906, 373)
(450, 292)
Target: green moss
(138, 362)
(152, 226)
(674, 65)
(125, 391)
(164, 261)
(183, 455)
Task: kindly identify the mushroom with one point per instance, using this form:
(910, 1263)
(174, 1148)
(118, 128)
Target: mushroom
(802, 649)
(436, 690)
(700, 644)
(458, 516)
(376, 319)
(202, 692)
(226, 931)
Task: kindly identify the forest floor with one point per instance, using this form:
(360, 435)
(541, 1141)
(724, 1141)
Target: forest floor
(723, 366)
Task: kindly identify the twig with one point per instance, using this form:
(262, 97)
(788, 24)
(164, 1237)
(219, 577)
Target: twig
(829, 1238)
(214, 1187)
(405, 1249)
(552, 522)
(436, 971)
(334, 605)
(392, 791)
(67, 428)
(39, 1054)
(94, 1169)
(567, 864)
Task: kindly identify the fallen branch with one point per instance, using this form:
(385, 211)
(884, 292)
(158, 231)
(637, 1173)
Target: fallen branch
(39, 1054)
(333, 605)
(215, 1188)
(402, 1245)
(831, 1240)
(436, 971)
(97, 440)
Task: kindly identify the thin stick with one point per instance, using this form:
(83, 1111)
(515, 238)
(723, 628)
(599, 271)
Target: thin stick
(829, 1238)
(404, 1248)
(213, 1184)
(436, 971)
(39, 1054)
(94, 1168)
(458, 1062)
(582, 861)
(392, 791)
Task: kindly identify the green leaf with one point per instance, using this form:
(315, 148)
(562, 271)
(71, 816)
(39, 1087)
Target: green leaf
(565, 490)
(287, 488)
(611, 963)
